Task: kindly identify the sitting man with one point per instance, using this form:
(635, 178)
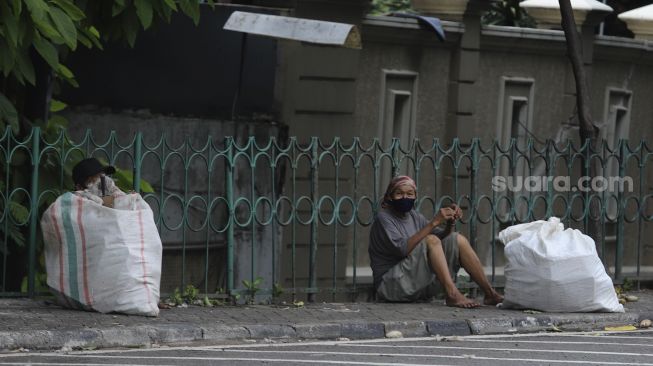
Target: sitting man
(408, 253)
(91, 182)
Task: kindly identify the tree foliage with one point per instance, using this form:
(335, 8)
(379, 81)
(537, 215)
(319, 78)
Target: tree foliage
(387, 6)
(507, 13)
(35, 38)
(53, 28)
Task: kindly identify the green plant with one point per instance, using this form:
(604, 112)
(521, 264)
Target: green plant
(388, 6)
(190, 294)
(40, 278)
(252, 288)
(176, 297)
(277, 290)
(507, 13)
(628, 285)
(207, 302)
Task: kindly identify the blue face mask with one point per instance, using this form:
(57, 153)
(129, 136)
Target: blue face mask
(402, 204)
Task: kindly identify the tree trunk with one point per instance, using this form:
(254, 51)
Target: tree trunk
(588, 131)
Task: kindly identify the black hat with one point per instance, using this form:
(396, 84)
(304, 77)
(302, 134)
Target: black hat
(88, 168)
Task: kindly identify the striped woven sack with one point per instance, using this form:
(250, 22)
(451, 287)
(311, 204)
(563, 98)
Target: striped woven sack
(101, 258)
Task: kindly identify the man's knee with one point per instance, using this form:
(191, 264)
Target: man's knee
(461, 240)
(432, 240)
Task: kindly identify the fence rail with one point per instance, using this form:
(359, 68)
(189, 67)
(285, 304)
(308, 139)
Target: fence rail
(297, 213)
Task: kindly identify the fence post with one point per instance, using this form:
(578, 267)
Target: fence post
(549, 182)
(138, 153)
(312, 274)
(474, 194)
(395, 165)
(34, 214)
(229, 187)
(621, 211)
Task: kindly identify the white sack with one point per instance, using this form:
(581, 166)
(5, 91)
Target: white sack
(552, 269)
(101, 258)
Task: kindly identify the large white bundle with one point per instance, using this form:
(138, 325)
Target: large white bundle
(101, 258)
(552, 269)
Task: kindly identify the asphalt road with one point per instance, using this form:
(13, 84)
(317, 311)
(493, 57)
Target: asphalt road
(595, 348)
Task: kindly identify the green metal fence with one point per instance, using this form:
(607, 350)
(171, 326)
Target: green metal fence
(301, 209)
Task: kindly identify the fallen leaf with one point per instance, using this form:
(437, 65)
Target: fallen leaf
(620, 328)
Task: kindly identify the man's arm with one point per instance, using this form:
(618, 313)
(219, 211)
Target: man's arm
(445, 214)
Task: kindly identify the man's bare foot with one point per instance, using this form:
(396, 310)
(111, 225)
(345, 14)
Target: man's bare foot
(493, 298)
(460, 301)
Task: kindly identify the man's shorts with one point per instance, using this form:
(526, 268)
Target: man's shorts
(412, 279)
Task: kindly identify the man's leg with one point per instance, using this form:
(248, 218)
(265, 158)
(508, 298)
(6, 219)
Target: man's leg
(439, 266)
(470, 262)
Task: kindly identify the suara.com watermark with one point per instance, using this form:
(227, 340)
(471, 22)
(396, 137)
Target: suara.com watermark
(561, 184)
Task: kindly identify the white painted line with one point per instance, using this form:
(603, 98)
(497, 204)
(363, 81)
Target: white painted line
(593, 334)
(78, 364)
(348, 362)
(556, 342)
(430, 338)
(302, 361)
(584, 362)
(620, 337)
(362, 354)
(464, 348)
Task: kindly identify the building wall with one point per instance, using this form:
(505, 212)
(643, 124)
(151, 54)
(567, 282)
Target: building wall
(458, 88)
(508, 58)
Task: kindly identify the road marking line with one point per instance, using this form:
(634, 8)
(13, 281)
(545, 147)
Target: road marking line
(555, 342)
(241, 359)
(77, 364)
(594, 334)
(584, 362)
(497, 349)
(430, 338)
(619, 337)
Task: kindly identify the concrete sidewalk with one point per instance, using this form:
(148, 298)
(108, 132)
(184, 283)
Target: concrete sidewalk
(39, 325)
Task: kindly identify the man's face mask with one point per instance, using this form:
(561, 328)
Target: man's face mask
(403, 204)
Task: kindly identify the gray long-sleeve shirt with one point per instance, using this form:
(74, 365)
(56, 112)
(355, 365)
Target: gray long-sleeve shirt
(389, 239)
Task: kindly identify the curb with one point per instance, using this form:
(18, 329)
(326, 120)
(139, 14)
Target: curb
(184, 333)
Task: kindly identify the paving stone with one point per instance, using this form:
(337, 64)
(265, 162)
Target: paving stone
(363, 330)
(447, 327)
(318, 331)
(259, 331)
(224, 332)
(175, 333)
(126, 337)
(491, 326)
(407, 328)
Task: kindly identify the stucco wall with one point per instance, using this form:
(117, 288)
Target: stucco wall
(538, 56)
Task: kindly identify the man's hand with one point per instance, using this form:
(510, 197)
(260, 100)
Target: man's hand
(458, 215)
(444, 214)
(107, 201)
(447, 214)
